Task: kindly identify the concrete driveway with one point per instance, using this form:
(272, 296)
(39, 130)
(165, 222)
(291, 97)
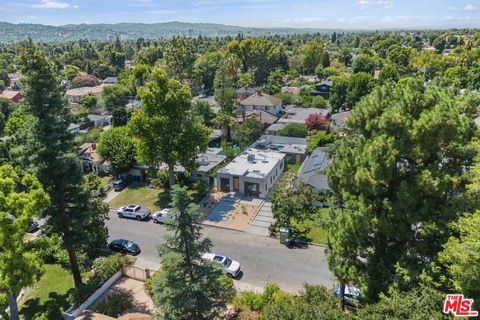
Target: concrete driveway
(263, 259)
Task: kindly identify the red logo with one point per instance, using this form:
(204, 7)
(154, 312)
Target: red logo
(459, 306)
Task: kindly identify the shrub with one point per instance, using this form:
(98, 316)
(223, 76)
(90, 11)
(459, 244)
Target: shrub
(114, 305)
(319, 139)
(201, 187)
(316, 121)
(298, 130)
(103, 268)
(148, 285)
(249, 300)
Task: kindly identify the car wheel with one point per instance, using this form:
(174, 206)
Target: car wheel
(138, 218)
(120, 215)
(230, 275)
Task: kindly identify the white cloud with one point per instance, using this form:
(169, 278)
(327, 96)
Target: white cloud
(470, 8)
(54, 4)
(386, 4)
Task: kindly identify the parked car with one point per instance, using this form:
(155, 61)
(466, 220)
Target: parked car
(124, 246)
(133, 211)
(296, 243)
(34, 226)
(163, 216)
(351, 296)
(119, 184)
(231, 267)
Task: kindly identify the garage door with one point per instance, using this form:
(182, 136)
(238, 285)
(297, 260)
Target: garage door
(252, 189)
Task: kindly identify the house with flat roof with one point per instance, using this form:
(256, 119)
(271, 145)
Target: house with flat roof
(295, 149)
(252, 173)
(312, 171)
(261, 101)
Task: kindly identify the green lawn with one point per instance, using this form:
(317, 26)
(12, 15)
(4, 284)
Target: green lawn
(47, 294)
(310, 229)
(293, 167)
(151, 198)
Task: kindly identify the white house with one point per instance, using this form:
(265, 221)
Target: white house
(252, 173)
(99, 120)
(261, 101)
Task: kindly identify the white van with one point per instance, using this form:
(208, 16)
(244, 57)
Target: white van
(162, 216)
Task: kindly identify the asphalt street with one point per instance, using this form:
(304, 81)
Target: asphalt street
(262, 259)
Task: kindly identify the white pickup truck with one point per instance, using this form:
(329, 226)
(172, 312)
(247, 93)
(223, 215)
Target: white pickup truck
(133, 211)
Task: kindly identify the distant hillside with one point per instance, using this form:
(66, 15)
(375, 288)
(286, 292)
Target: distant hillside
(43, 33)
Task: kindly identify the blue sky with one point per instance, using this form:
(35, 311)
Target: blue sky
(347, 14)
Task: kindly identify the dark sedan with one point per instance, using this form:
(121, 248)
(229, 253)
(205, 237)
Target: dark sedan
(124, 246)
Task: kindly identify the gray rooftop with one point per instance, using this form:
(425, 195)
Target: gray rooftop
(281, 144)
(312, 171)
(298, 115)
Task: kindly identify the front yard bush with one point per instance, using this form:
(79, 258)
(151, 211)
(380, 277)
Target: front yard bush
(103, 268)
(115, 305)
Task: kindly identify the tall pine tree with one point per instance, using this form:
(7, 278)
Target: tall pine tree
(48, 152)
(188, 288)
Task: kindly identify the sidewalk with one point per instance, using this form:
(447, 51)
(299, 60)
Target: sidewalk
(112, 194)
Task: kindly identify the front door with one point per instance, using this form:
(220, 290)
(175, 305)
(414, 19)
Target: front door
(225, 184)
(236, 184)
(298, 159)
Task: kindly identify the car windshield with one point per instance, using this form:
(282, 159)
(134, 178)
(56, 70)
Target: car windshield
(227, 262)
(130, 244)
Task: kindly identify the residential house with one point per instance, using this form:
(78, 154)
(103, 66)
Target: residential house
(338, 119)
(308, 78)
(75, 95)
(110, 80)
(99, 120)
(261, 101)
(312, 171)
(294, 148)
(134, 104)
(245, 92)
(264, 117)
(73, 128)
(15, 83)
(215, 139)
(252, 173)
(293, 115)
(290, 90)
(90, 160)
(323, 89)
(12, 95)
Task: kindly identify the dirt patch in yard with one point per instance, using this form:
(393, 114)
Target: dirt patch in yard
(239, 218)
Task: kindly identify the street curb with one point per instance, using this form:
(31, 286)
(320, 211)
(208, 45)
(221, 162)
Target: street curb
(220, 227)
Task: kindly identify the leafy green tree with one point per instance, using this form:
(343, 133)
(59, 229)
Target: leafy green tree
(360, 84)
(117, 146)
(71, 72)
(88, 101)
(439, 43)
(397, 179)
(48, 151)
(115, 99)
(135, 77)
(388, 73)
(338, 93)
(19, 265)
(166, 129)
(401, 57)
(274, 81)
(291, 202)
(203, 109)
(311, 56)
(226, 98)
(179, 56)
(149, 55)
(363, 63)
(207, 65)
(423, 303)
(298, 130)
(461, 256)
(249, 131)
(188, 288)
(263, 59)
